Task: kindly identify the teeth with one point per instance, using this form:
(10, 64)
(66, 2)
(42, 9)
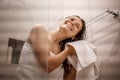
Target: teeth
(66, 27)
(69, 25)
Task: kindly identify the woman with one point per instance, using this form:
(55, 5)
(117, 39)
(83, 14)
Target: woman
(48, 49)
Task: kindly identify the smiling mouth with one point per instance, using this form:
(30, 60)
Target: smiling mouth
(69, 25)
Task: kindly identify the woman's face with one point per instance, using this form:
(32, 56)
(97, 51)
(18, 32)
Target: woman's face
(71, 26)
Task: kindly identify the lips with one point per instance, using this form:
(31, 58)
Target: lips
(69, 25)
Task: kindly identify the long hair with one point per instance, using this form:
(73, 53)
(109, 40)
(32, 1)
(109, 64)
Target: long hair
(80, 36)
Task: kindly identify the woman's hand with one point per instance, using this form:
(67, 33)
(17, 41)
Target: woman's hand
(71, 50)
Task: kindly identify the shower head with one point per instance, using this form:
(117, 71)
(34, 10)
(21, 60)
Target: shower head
(113, 13)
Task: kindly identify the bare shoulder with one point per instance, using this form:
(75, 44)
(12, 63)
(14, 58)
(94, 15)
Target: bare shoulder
(37, 32)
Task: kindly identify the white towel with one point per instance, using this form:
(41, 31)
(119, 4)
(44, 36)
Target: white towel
(85, 54)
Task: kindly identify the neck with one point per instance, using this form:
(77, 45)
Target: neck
(56, 36)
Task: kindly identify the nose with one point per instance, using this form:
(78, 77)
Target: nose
(69, 21)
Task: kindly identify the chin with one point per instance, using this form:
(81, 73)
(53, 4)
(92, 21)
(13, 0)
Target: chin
(62, 27)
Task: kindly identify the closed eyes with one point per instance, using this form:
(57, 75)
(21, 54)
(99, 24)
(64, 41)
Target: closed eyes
(77, 25)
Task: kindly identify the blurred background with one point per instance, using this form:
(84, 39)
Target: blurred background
(102, 18)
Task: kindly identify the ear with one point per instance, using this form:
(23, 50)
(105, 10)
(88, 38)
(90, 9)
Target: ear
(73, 37)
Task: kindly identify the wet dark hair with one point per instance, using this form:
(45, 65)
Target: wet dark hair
(80, 36)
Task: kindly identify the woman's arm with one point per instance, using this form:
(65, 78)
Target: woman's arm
(72, 73)
(39, 40)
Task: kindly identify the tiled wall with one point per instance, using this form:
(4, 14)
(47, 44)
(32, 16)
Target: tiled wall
(17, 17)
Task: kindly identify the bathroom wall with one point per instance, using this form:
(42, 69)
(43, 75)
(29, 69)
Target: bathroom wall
(17, 17)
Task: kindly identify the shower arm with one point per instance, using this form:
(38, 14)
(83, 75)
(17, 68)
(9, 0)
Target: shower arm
(113, 13)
